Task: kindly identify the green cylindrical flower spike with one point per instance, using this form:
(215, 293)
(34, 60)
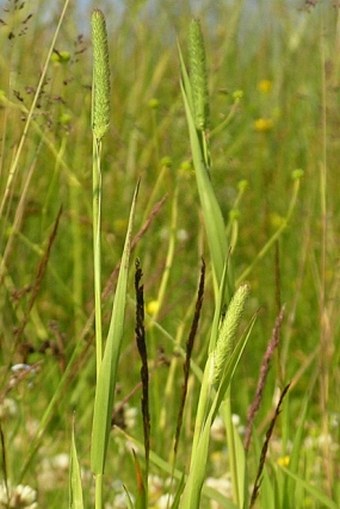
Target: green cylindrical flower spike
(101, 76)
(198, 76)
(227, 335)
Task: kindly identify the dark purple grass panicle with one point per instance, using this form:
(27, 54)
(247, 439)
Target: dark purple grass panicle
(189, 347)
(141, 344)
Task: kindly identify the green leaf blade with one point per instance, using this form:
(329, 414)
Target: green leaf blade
(107, 375)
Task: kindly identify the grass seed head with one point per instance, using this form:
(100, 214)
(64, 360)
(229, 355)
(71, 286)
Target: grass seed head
(101, 76)
(198, 76)
(227, 335)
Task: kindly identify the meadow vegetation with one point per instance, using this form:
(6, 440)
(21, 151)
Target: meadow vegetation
(169, 255)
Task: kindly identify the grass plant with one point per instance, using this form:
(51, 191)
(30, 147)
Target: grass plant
(197, 146)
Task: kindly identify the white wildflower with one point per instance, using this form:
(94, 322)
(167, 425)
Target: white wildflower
(17, 497)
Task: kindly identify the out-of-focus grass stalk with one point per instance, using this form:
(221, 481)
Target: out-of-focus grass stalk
(29, 119)
(237, 96)
(169, 256)
(314, 492)
(236, 455)
(97, 198)
(164, 168)
(296, 175)
(46, 139)
(233, 220)
(78, 257)
(170, 382)
(49, 412)
(15, 163)
(327, 335)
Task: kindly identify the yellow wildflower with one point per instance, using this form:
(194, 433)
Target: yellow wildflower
(283, 461)
(3, 98)
(119, 226)
(186, 169)
(277, 221)
(60, 57)
(263, 125)
(186, 166)
(152, 307)
(153, 103)
(264, 86)
(238, 95)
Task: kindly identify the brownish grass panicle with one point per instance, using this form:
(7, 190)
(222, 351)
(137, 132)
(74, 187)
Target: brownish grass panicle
(265, 365)
(40, 274)
(264, 449)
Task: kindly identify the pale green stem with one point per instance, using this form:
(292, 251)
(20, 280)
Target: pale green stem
(77, 255)
(99, 492)
(220, 127)
(202, 407)
(275, 236)
(97, 198)
(232, 455)
(170, 255)
(154, 192)
(160, 298)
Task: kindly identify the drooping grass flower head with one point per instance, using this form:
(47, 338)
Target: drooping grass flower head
(101, 76)
(198, 76)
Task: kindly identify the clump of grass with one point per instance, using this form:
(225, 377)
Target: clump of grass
(45, 270)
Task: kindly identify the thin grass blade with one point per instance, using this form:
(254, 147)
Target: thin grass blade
(193, 488)
(141, 495)
(76, 491)
(237, 457)
(316, 494)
